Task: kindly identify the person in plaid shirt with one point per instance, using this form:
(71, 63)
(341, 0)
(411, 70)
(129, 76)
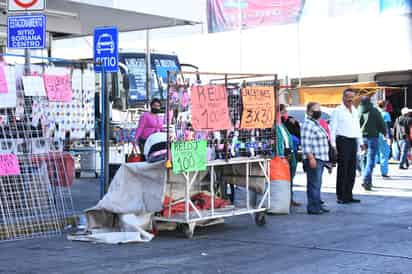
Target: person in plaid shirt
(315, 150)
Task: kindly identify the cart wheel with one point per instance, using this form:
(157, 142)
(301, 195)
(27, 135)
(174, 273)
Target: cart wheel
(188, 230)
(260, 218)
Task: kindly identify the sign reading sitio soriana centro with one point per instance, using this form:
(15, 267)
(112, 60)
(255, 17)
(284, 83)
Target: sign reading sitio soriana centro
(26, 5)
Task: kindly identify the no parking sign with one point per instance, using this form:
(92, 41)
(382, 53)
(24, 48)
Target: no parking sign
(26, 5)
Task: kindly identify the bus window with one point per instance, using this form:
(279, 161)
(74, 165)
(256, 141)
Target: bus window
(162, 64)
(136, 67)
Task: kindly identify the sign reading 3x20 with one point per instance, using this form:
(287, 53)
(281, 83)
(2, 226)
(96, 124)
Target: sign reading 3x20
(26, 5)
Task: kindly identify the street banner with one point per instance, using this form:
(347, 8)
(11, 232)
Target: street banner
(224, 15)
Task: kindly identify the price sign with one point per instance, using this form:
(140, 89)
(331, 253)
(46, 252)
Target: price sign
(58, 87)
(189, 156)
(209, 108)
(9, 165)
(258, 107)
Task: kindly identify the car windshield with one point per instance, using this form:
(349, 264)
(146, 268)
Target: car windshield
(299, 114)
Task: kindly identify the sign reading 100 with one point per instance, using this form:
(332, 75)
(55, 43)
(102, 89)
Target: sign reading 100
(189, 156)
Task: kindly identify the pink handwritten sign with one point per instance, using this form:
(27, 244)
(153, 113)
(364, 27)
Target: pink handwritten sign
(3, 80)
(209, 108)
(58, 87)
(9, 165)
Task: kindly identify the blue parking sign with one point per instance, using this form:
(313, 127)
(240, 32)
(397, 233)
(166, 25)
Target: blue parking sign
(26, 32)
(105, 49)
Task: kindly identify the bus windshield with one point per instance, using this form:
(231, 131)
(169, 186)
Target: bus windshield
(136, 67)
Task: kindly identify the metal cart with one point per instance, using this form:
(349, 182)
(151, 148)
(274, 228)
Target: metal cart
(187, 220)
(246, 142)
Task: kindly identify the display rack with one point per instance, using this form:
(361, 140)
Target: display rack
(39, 104)
(236, 145)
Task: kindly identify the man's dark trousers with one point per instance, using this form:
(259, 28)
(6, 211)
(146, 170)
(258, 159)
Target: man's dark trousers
(347, 149)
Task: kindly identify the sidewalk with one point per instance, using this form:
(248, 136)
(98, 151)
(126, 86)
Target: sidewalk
(372, 237)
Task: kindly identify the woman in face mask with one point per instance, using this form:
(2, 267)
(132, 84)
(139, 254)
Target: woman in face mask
(149, 123)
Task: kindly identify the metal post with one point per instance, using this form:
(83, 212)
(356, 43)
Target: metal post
(299, 54)
(240, 36)
(247, 186)
(49, 48)
(148, 68)
(212, 189)
(104, 130)
(277, 110)
(27, 55)
(405, 92)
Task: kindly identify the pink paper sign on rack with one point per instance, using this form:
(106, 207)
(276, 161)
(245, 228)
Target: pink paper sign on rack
(9, 165)
(209, 108)
(58, 87)
(3, 80)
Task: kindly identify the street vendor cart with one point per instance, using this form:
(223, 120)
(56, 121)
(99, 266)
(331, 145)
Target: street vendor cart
(219, 135)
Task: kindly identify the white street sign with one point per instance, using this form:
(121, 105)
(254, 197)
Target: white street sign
(26, 5)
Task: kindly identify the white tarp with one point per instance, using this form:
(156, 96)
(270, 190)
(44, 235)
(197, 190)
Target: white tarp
(136, 188)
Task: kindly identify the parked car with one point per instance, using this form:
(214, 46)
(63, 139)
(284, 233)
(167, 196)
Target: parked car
(299, 113)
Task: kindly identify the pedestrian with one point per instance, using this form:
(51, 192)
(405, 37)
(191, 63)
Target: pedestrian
(285, 149)
(149, 123)
(293, 129)
(402, 134)
(384, 149)
(292, 125)
(372, 125)
(345, 138)
(315, 153)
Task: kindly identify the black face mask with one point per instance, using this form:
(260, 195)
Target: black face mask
(155, 110)
(316, 114)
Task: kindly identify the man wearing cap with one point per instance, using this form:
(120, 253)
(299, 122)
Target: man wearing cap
(372, 124)
(402, 136)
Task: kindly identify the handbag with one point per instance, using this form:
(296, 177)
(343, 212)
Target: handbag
(333, 156)
(134, 157)
(279, 169)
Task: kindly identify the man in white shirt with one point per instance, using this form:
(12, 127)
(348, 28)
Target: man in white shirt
(345, 138)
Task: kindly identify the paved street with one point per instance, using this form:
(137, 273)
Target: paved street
(372, 237)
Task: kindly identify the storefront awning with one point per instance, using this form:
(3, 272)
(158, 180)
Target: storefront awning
(329, 95)
(71, 19)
